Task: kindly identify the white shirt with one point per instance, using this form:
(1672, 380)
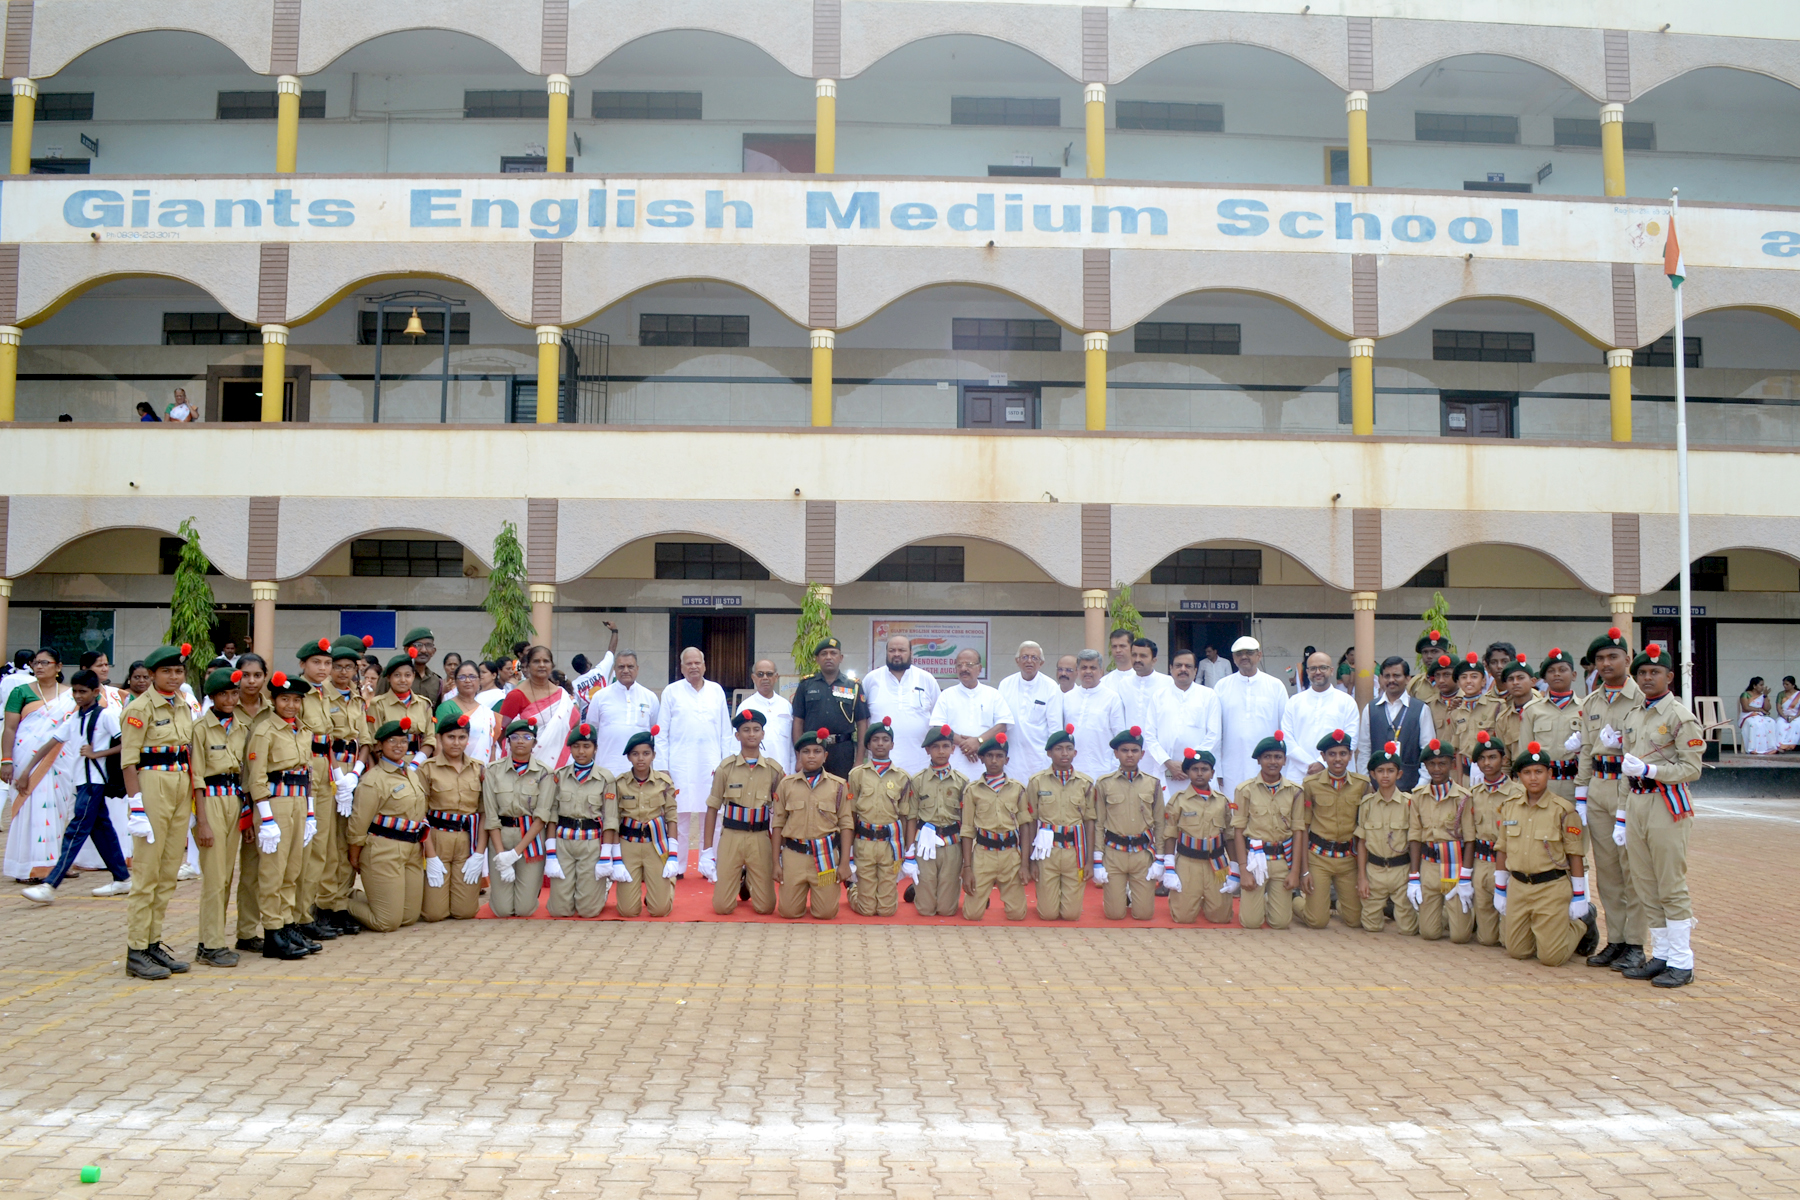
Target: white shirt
(778, 733)
(1037, 709)
(589, 682)
(696, 736)
(1181, 720)
(1138, 693)
(1249, 711)
(1097, 715)
(106, 732)
(616, 712)
(1309, 716)
(1396, 713)
(908, 699)
(971, 712)
(1213, 670)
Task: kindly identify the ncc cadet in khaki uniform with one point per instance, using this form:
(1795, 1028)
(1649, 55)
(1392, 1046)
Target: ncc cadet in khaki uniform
(879, 797)
(348, 714)
(1472, 710)
(1441, 881)
(420, 645)
(1562, 738)
(452, 782)
(1062, 801)
(937, 815)
(1128, 815)
(278, 780)
(1521, 716)
(649, 858)
(1539, 886)
(1661, 758)
(318, 866)
(996, 834)
(253, 711)
(1434, 650)
(813, 821)
(585, 809)
(1600, 796)
(1495, 787)
(390, 838)
(742, 791)
(401, 701)
(514, 793)
(1383, 856)
(220, 742)
(1198, 824)
(156, 745)
(1333, 797)
(1268, 814)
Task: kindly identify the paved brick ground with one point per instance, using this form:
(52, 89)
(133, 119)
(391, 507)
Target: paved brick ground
(546, 1058)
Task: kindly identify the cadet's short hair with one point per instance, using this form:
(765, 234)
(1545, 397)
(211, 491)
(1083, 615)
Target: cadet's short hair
(580, 664)
(1088, 656)
(1505, 648)
(86, 679)
(1394, 660)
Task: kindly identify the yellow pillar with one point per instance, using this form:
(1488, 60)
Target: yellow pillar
(1356, 105)
(825, 127)
(823, 341)
(9, 371)
(549, 379)
(1362, 386)
(1094, 95)
(556, 139)
(1612, 148)
(1362, 618)
(274, 371)
(262, 619)
(1093, 619)
(5, 601)
(24, 113)
(543, 613)
(1618, 369)
(287, 125)
(1095, 345)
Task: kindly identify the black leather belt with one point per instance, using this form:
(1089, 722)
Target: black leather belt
(1119, 841)
(1568, 768)
(291, 778)
(1331, 847)
(1540, 877)
(746, 826)
(997, 841)
(515, 822)
(1483, 849)
(321, 744)
(579, 823)
(1608, 768)
(223, 781)
(1643, 784)
(1399, 860)
(1205, 850)
(163, 756)
(800, 847)
(398, 835)
(948, 832)
(344, 745)
(872, 833)
(450, 824)
(1070, 838)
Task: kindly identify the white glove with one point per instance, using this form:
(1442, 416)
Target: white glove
(346, 802)
(1256, 863)
(1170, 879)
(419, 758)
(268, 834)
(137, 824)
(910, 869)
(434, 872)
(475, 868)
(620, 872)
(1232, 886)
(1042, 844)
(1581, 809)
(505, 860)
(1415, 892)
(1578, 903)
(1574, 742)
(1155, 871)
(929, 841)
(553, 867)
(602, 870)
(1099, 874)
(1619, 828)
(1611, 738)
(1465, 889)
(709, 865)
(310, 831)
(1500, 878)
(672, 868)
(1636, 768)
(508, 875)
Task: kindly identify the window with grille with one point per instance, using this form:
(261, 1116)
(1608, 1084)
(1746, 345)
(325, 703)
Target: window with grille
(918, 564)
(55, 106)
(1160, 114)
(1465, 127)
(705, 560)
(394, 328)
(263, 106)
(208, 329)
(1479, 345)
(1661, 352)
(1179, 337)
(647, 106)
(61, 166)
(1004, 110)
(509, 103)
(1196, 565)
(403, 557)
(690, 329)
(998, 333)
(1578, 131)
(524, 164)
(1709, 574)
(1434, 574)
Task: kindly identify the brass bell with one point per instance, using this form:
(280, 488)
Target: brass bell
(415, 328)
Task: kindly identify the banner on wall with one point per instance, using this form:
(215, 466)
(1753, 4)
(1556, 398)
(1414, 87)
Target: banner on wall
(934, 643)
(72, 632)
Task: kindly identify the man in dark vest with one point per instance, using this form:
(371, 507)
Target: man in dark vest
(1396, 716)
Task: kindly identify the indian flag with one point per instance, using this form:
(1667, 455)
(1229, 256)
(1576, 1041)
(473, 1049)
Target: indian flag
(1673, 267)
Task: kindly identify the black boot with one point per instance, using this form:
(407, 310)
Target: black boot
(250, 945)
(1607, 956)
(744, 886)
(1673, 977)
(310, 946)
(159, 954)
(317, 931)
(1650, 968)
(138, 963)
(344, 923)
(1591, 938)
(1630, 960)
(276, 944)
(215, 958)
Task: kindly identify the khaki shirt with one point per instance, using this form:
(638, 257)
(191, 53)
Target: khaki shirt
(745, 784)
(252, 721)
(998, 810)
(594, 799)
(878, 799)
(387, 707)
(1667, 735)
(1385, 826)
(1420, 687)
(1597, 712)
(1440, 718)
(1058, 803)
(426, 682)
(276, 746)
(1536, 722)
(1205, 818)
(645, 800)
(349, 714)
(938, 801)
(1331, 806)
(154, 722)
(1269, 814)
(385, 790)
(1451, 819)
(1540, 837)
(1487, 801)
(315, 716)
(507, 793)
(805, 811)
(451, 789)
(218, 748)
(1469, 718)
(1128, 807)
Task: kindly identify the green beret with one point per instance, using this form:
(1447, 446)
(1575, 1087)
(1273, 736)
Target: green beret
(1436, 749)
(309, 649)
(168, 656)
(1128, 737)
(1551, 659)
(1443, 662)
(1467, 664)
(643, 737)
(1515, 668)
(416, 634)
(829, 643)
(1612, 639)
(399, 660)
(1653, 655)
(1485, 741)
(1336, 737)
(937, 733)
(283, 685)
(221, 680)
(1435, 640)
(1534, 756)
(1276, 743)
(349, 647)
(521, 725)
(389, 729)
(997, 742)
(453, 722)
(1387, 756)
(1190, 756)
(1065, 734)
(583, 732)
(746, 716)
(812, 737)
(885, 725)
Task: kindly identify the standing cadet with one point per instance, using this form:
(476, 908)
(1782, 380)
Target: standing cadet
(1495, 787)
(1473, 710)
(401, 701)
(1198, 821)
(390, 838)
(1521, 716)
(1431, 649)
(452, 783)
(1128, 812)
(649, 858)
(1383, 859)
(937, 815)
(348, 712)
(742, 791)
(585, 807)
(218, 759)
(997, 821)
(252, 713)
(1333, 798)
(1268, 813)
(836, 704)
(318, 865)
(1539, 886)
(419, 646)
(512, 804)
(1443, 826)
(278, 780)
(813, 821)
(1564, 736)
(156, 746)
(1062, 801)
(879, 794)
(1661, 757)
(1601, 798)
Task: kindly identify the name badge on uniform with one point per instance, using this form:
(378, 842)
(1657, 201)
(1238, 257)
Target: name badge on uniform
(399, 788)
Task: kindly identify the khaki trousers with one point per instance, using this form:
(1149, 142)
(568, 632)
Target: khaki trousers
(1127, 880)
(1273, 902)
(1658, 845)
(520, 897)
(278, 874)
(1609, 869)
(750, 855)
(876, 893)
(318, 867)
(1060, 887)
(577, 893)
(804, 891)
(217, 863)
(249, 887)
(1199, 892)
(1385, 883)
(940, 882)
(393, 885)
(648, 891)
(1325, 872)
(1487, 920)
(1538, 921)
(168, 803)
(995, 869)
(455, 899)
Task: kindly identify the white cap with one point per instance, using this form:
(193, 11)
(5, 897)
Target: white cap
(1245, 643)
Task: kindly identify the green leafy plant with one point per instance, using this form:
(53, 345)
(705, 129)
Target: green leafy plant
(1436, 617)
(506, 601)
(813, 627)
(1123, 614)
(191, 605)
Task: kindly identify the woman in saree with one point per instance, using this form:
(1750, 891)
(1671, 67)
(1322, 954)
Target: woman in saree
(44, 801)
(1756, 728)
(484, 723)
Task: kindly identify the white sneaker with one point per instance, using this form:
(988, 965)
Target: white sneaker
(42, 893)
(118, 887)
(186, 872)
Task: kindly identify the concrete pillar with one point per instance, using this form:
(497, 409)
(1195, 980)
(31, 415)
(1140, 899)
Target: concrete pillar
(1356, 108)
(1094, 98)
(1093, 620)
(543, 612)
(825, 126)
(1623, 610)
(5, 603)
(9, 370)
(1612, 148)
(823, 341)
(287, 124)
(24, 113)
(1362, 613)
(1618, 370)
(274, 371)
(1095, 344)
(549, 375)
(1362, 386)
(556, 135)
(262, 619)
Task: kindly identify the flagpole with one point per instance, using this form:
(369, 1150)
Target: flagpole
(1681, 476)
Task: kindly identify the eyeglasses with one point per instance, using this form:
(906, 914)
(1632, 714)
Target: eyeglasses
(763, 674)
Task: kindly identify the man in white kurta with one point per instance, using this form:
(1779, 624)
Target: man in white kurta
(778, 731)
(1036, 703)
(618, 710)
(1213, 668)
(973, 710)
(906, 695)
(1250, 704)
(1312, 714)
(1185, 717)
(696, 736)
(1095, 712)
(1139, 687)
